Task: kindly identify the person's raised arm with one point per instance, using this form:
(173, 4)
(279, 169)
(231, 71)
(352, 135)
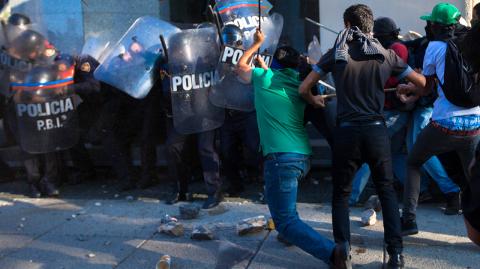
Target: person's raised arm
(305, 90)
(244, 70)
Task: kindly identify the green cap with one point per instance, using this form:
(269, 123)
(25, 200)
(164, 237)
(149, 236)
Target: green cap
(443, 13)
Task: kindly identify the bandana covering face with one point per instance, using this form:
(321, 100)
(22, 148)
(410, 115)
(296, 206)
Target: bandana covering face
(370, 46)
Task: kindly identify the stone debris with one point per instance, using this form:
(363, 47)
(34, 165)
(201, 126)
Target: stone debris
(172, 228)
(164, 262)
(202, 233)
(189, 211)
(369, 217)
(167, 219)
(23, 219)
(98, 204)
(129, 198)
(373, 203)
(251, 225)
(5, 203)
(116, 196)
(91, 255)
(107, 243)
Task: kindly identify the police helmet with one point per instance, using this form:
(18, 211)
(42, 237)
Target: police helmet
(18, 19)
(29, 45)
(232, 35)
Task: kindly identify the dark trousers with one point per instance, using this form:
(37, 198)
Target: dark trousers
(180, 152)
(322, 119)
(132, 119)
(354, 146)
(42, 167)
(82, 163)
(431, 142)
(239, 131)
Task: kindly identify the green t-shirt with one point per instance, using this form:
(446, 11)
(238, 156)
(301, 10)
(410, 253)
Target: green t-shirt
(280, 111)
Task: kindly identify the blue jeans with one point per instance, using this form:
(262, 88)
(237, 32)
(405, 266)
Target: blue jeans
(282, 171)
(420, 118)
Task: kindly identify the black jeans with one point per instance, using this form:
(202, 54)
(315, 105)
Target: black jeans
(240, 129)
(430, 142)
(181, 151)
(354, 146)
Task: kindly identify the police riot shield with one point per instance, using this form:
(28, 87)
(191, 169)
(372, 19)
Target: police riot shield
(22, 41)
(230, 91)
(192, 59)
(314, 51)
(45, 108)
(129, 65)
(95, 47)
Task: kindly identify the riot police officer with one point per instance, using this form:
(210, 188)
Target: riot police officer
(88, 88)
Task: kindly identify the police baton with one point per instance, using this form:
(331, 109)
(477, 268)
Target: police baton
(216, 20)
(321, 25)
(164, 46)
(333, 95)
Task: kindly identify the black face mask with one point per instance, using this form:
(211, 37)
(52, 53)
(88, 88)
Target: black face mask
(428, 32)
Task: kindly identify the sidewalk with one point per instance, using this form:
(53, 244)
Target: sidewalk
(88, 234)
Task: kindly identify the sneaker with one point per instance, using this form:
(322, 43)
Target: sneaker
(453, 206)
(396, 261)
(409, 227)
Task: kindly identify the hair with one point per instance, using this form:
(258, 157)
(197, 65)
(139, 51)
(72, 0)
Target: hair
(287, 57)
(469, 46)
(476, 10)
(361, 16)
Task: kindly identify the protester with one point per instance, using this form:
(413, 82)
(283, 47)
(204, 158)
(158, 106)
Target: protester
(471, 194)
(420, 117)
(476, 14)
(361, 67)
(286, 149)
(452, 128)
(396, 111)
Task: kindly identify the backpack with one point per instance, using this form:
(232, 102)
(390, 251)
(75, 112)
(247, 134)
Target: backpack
(459, 83)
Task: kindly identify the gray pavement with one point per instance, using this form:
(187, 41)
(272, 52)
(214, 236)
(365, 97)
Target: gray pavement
(93, 233)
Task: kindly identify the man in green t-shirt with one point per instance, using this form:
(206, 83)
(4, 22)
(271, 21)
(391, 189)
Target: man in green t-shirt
(286, 149)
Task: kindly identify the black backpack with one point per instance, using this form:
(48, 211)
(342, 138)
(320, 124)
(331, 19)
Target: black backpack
(459, 83)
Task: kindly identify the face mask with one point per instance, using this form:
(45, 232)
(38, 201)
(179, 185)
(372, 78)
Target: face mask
(428, 32)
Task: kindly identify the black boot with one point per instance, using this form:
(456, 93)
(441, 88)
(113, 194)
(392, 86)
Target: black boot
(409, 226)
(48, 188)
(341, 258)
(395, 262)
(34, 191)
(453, 204)
(213, 200)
